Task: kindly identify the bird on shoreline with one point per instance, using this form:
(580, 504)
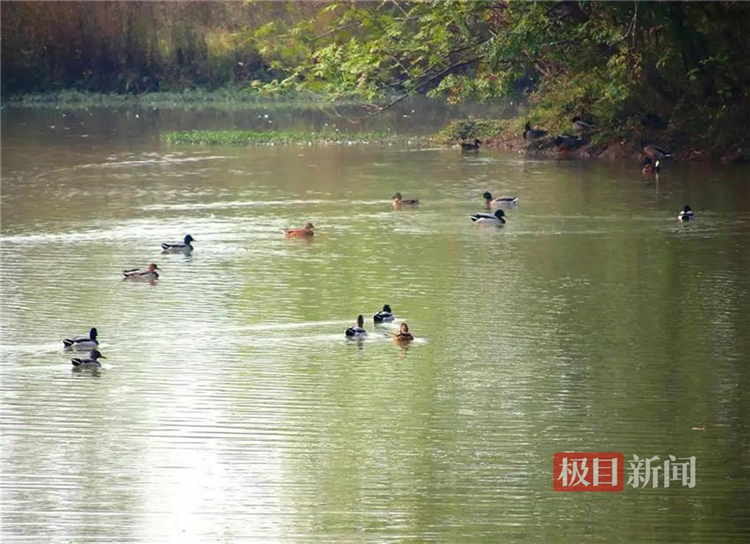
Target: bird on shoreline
(82, 342)
(651, 167)
(656, 153)
(305, 232)
(579, 125)
(149, 273)
(498, 218)
(81, 363)
(175, 247)
(566, 142)
(532, 133)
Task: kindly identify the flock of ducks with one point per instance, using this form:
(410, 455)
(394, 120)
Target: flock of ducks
(654, 155)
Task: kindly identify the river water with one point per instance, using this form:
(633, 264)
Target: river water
(230, 406)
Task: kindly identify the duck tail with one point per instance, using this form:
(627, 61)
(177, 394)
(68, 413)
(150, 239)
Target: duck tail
(67, 342)
(76, 362)
(165, 246)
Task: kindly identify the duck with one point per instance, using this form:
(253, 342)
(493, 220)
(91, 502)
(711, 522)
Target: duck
(149, 273)
(357, 331)
(686, 214)
(498, 218)
(403, 334)
(82, 342)
(579, 125)
(471, 146)
(383, 316)
(176, 247)
(656, 153)
(399, 201)
(80, 363)
(532, 133)
(566, 142)
(305, 232)
(651, 167)
(508, 201)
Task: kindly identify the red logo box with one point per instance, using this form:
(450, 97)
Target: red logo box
(587, 471)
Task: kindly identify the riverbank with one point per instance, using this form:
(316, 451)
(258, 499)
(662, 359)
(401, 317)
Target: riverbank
(625, 144)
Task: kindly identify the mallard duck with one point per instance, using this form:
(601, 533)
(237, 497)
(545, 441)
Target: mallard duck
(305, 232)
(686, 214)
(91, 361)
(82, 342)
(505, 201)
(358, 331)
(532, 133)
(470, 146)
(399, 201)
(656, 153)
(579, 125)
(383, 316)
(176, 247)
(651, 167)
(498, 218)
(403, 334)
(149, 273)
(565, 142)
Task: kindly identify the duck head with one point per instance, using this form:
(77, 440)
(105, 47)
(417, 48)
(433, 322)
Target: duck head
(397, 196)
(477, 142)
(387, 308)
(687, 209)
(527, 126)
(93, 333)
(487, 196)
(96, 354)
(152, 267)
(403, 328)
(309, 226)
(576, 119)
(360, 321)
(189, 239)
(499, 214)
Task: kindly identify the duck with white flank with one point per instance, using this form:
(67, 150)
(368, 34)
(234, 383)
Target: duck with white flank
(383, 316)
(357, 331)
(498, 218)
(686, 214)
(90, 362)
(505, 201)
(142, 274)
(82, 342)
(176, 247)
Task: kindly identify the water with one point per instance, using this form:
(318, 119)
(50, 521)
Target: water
(231, 407)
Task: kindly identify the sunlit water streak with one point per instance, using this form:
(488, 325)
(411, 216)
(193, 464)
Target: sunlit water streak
(231, 407)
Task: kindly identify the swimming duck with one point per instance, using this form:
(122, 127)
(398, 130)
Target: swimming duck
(532, 133)
(651, 167)
(656, 153)
(305, 232)
(579, 125)
(498, 218)
(358, 331)
(565, 142)
(686, 214)
(403, 334)
(507, 201)
(91, 361)
(470, 146)
(149, 274)
(399, 201)
(176, 247)
(383, 316)
(82, 342)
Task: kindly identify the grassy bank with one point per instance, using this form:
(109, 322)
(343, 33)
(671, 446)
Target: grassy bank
(224, 98)
(246, 138)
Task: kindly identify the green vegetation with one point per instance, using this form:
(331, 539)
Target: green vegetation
(278, 137)
(675, 73)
